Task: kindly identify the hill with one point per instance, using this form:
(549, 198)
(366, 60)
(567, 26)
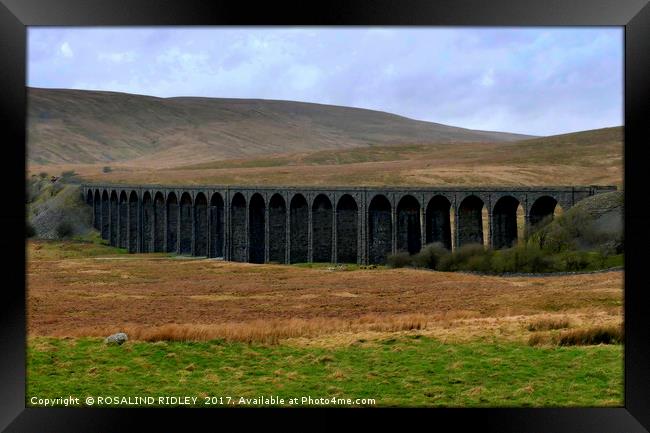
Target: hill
(582, 158)
(80, 126)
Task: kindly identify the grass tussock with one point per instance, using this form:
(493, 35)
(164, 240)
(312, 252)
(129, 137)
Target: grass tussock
(539, 339)
(591, 336)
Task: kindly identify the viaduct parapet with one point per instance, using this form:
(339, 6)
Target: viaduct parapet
(310, 224)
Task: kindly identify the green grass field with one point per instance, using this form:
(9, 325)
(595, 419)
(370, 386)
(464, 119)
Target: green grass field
(410, 370)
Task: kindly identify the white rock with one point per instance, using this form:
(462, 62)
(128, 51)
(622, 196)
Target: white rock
(118, 338)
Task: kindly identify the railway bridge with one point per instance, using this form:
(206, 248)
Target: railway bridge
(362, 225)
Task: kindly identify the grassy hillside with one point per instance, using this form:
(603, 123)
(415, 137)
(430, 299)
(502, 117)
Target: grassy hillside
(56, 210)
(595, 223)
(582, 158)
(118, 137)
(79, 126)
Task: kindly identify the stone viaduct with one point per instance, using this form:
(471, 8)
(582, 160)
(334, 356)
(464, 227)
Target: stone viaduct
(311, 224)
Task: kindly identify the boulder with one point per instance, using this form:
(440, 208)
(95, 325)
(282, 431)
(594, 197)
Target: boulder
(118, 338)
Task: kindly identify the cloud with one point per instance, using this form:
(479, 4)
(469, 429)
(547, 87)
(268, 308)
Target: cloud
(488, 78)
(66, 50)
(304, 77)
(120, 57)
(532, 80)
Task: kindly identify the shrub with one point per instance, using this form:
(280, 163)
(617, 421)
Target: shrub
(64, 229)
(534, 260)
(523, 258)
(599, 258)
(576, 261)
(398, 260)
(537, 233)
(481, 262)
(107, 169)
(430, 256)
(503, 261)
(42, 175)
(458, 260)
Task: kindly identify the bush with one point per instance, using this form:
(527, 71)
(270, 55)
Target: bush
(599, 258)
(458, 260)
(576, 261)
(42, 175)
(107, 169)
(534, 260)
(398, 260)
(504, 261)
(430, 256)
(547, 250)
(525, 258)
(538, 233)
(64, 229)
(481, 262)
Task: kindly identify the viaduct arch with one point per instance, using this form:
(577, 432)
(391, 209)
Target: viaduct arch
(333, 225)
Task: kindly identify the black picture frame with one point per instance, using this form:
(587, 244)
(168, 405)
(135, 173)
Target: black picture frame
(634, 15)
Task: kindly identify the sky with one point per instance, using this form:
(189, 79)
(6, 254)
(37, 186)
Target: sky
(539, 81)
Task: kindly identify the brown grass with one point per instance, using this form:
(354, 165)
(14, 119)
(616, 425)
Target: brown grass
(531, 162)
(547, 324)
(539, 339)
(157, 298)
(587, 336)
(591, 336)
(66, 125)
(268, 331)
